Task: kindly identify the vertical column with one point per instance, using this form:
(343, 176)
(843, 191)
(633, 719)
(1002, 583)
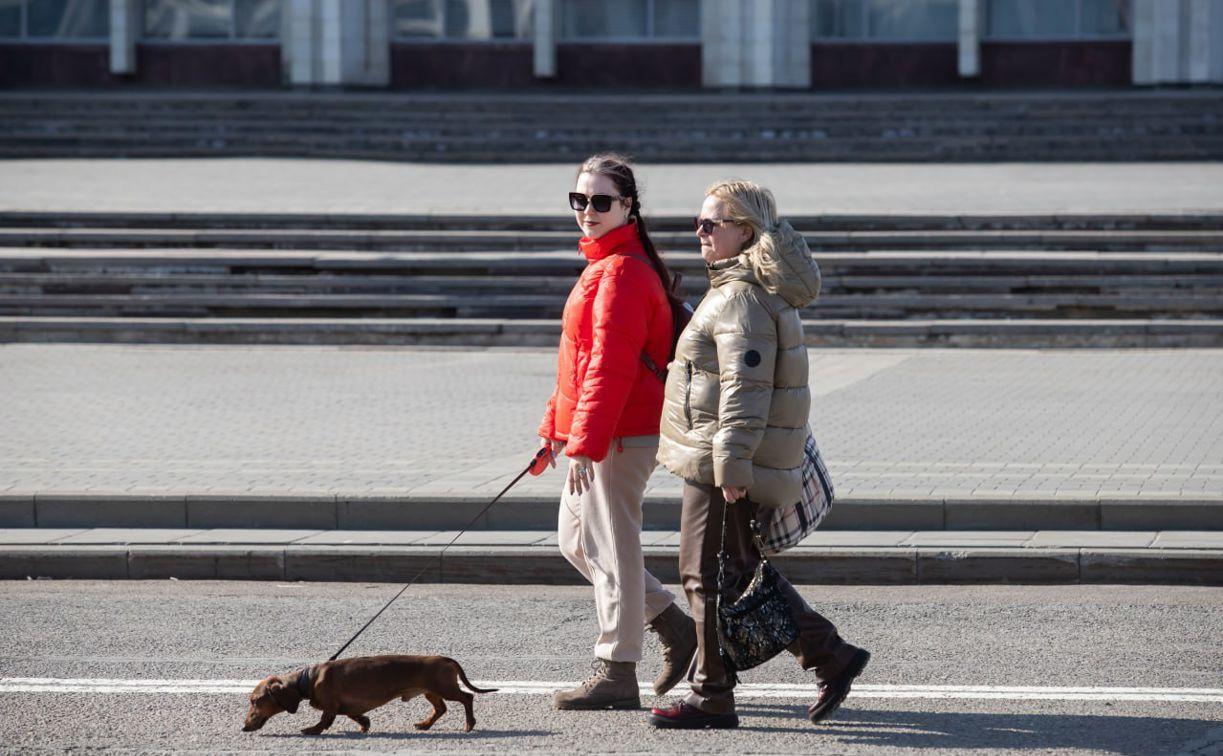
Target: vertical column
(1178, 41)
(375, 68)
(125, 26)
(971, 17)
(545, 39)
(301, 41)
(790, 42)
(338, 42)
(1205, 41)
(756, 23)
(721, 49)
(755, 43)
(1169, 37)
(1142, 57)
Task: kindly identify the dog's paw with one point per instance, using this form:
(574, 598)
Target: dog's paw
(312, 731)
(423, 725)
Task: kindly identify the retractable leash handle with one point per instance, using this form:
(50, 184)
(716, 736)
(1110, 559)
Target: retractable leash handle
(542, 459)
(536, 466)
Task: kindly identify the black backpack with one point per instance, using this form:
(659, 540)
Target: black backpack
(681, 313)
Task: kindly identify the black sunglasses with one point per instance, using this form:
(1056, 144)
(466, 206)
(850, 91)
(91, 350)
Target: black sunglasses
(601, 202)
(707, 224)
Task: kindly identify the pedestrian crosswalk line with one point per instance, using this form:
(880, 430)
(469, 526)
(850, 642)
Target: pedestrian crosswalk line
(744, 691)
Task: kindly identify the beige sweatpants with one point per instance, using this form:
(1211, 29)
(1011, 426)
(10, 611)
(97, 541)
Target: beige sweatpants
(600, 534)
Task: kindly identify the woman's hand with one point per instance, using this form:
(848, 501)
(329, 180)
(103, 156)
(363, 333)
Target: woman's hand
(733, 493)
(581, 474)
(555, 449)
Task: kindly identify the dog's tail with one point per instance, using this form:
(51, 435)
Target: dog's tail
(463, 677)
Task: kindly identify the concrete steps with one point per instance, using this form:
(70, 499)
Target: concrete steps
(1106, 126)
(462, 240)
(903, 281)
(1186, 221)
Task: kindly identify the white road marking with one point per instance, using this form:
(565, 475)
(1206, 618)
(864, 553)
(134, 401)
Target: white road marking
(748, 690)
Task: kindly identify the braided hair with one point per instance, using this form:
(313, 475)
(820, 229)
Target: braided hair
(617, 168)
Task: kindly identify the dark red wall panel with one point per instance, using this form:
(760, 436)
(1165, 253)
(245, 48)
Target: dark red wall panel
(846, 65)
(460, 65)
(1056, 64)
(77, 65)
(456, 65)
(205, 65)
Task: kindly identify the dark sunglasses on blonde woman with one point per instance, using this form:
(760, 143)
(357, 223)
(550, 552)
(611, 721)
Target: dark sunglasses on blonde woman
(707, 224)
(602, 202)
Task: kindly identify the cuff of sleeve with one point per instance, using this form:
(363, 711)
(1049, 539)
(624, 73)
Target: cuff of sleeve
(732, 472)
(579, 448)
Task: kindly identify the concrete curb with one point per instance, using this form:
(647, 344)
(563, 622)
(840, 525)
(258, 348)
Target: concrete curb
(357, 512)
(545, 565)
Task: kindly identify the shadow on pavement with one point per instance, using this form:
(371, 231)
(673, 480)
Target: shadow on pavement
(475, 734)
(1127, 735)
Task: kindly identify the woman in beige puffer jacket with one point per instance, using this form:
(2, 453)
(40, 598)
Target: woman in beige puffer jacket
(734, 423)
(737, 400)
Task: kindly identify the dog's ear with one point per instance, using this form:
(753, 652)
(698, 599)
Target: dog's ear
(283, 697)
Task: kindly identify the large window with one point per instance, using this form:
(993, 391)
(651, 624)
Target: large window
(887, 20)
(1057, 19)
(212, 19)
(463, 19)
(636, 20)
(54, 19)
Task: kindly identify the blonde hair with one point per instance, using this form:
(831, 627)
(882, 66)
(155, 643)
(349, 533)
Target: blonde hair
(751, 204)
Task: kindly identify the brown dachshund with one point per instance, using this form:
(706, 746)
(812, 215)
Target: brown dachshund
(354, 686)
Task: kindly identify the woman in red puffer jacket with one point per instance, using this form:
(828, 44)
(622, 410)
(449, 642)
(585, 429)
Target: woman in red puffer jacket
(604, 414)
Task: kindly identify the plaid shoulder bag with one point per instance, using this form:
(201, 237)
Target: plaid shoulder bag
(786, 526)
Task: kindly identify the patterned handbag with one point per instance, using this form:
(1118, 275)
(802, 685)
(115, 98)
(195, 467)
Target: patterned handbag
(759, 624)
(788, 525)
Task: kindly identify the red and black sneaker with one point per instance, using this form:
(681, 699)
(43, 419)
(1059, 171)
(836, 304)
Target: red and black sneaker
(834, 691)
(682, 716)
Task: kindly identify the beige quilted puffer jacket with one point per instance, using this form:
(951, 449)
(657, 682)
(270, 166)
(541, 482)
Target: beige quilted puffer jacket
(737, 400)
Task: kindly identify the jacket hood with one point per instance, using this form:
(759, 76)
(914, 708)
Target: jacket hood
(780, 262)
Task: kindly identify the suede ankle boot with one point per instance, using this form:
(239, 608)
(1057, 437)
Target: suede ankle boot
(612, 686)
(677, 633)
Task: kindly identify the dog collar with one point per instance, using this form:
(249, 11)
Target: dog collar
(303, 683)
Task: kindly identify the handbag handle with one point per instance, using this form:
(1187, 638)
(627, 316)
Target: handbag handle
(723, 558)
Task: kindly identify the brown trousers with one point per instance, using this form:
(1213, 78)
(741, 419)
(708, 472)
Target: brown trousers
(818, 646)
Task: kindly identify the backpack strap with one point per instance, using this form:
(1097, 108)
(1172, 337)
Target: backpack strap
(653, 367)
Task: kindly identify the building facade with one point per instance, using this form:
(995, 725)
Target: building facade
(606, 44)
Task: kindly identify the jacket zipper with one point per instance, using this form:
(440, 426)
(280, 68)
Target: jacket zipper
(688, 396)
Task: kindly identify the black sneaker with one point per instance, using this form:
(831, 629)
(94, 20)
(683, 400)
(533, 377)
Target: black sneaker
(682, 716)
(833, 692)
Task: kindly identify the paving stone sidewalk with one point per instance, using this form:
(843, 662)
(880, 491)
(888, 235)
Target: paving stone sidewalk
(253, 185)
(998, 425)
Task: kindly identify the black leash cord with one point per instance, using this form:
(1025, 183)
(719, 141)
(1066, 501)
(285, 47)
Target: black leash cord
(537, 460)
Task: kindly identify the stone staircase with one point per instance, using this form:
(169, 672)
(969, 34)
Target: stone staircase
(725, 127)
(1022, 281)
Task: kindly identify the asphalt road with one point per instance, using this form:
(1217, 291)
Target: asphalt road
(97, 641)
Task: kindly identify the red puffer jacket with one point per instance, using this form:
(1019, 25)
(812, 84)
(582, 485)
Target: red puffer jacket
(616, 309)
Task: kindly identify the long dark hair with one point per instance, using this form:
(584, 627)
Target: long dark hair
(617, 168)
